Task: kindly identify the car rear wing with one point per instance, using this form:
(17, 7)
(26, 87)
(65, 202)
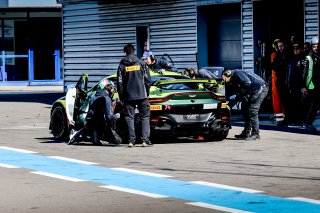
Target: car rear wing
(182, 81)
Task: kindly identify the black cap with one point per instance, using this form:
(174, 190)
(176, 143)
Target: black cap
(129, 49)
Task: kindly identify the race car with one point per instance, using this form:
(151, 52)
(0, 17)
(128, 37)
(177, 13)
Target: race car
(180, 107)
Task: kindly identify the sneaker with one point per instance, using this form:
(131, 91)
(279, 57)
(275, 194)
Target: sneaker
(241, 136)
(131, 144)
(310, 128)
(253, 137)
(146, 143)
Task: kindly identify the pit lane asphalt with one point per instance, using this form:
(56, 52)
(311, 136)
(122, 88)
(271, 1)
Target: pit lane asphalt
(282, 164)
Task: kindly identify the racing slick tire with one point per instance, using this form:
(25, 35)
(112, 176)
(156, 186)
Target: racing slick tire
(217, 136)
(59, 125)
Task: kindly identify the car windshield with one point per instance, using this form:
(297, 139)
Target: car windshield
(184, 86)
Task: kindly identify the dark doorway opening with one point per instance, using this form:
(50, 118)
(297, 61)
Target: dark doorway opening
(45, 38)
(219, 35)
(273, 20)
(142, 35)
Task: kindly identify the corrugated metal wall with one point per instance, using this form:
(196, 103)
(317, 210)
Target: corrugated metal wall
(3, 3)
(311, 18)
(247, 36)
(95, 33)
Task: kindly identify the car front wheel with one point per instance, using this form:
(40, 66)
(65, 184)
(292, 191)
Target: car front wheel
(59, 125)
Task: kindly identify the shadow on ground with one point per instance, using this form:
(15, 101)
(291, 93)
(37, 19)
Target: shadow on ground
(31, 97)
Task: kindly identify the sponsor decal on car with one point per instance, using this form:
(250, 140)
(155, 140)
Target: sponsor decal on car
(210, 106)
(155, 107)
(167, 107)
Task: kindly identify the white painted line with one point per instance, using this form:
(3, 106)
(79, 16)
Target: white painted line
(8, 166)
(227, 187)
(305, 199)
(73, 160)
(220, 208)
(58, 176)
(134, 191)
(141, 172)
(16, 150)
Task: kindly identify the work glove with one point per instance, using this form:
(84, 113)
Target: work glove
(231, 103)
(117, 115)
(160, 71)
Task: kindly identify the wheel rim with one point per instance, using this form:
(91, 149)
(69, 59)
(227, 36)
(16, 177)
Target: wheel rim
(58, 124)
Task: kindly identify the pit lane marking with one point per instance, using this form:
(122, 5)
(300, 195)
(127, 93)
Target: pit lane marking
(196, 193)
(73, 160)
(141, 172)
(305, 199)
(8, 166)
(58, 176)
(226, 187)
(17, 150)
(215, 207)
(132, 191)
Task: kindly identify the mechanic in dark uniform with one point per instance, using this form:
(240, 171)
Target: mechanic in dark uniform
(252, 90)
(133, 87)
(201, 73)
(157, 63)
(100, 116)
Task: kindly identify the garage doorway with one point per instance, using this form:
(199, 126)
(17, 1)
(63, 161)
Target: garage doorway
(219, 35)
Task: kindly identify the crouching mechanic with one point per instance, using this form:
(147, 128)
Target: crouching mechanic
(252, 90)
(100, 116)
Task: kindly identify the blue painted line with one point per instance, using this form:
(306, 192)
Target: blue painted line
(168, 187)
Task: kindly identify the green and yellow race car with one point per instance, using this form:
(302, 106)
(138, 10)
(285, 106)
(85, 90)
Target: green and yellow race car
(180, 107)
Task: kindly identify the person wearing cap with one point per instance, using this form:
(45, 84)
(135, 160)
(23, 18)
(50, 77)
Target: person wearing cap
(294, 73)
(157, 63)
(252, 90)
(311, 83)
(133, 85)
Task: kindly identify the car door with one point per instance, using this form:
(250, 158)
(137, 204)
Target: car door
(80, 100)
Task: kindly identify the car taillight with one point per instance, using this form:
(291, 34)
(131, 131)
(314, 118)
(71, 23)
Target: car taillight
(224, 117)
(159, 100)
(218, 97)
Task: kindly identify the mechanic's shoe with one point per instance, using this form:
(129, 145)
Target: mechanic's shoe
(253, 137)
(241, 136)
(131, 144)
(310, 128)
(96, 138)
(146, 143)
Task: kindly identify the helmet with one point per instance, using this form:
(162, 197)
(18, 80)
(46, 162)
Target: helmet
(275, 43)
(107, 85)
(315, 40)
(147, 54)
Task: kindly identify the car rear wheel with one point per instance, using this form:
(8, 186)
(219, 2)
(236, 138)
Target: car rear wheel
(217, 136)
(59, 125)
